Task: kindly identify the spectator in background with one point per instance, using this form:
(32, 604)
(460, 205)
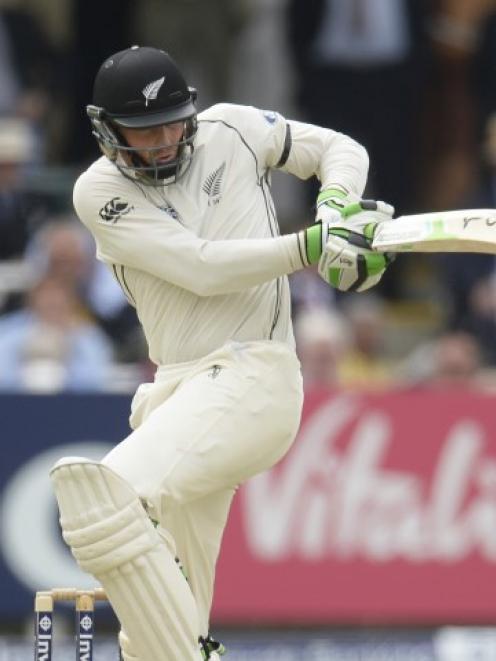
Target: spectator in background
(466, 33)
(452, 125)
(484, 69)
(360, 68)
(50, 346)
(321, 342)
(467, 277)
(456, 361)
(308, 291)
(480, 316)
(29, 72)
(451, 360)
(63, 249)
(21, 212)
(365, 365)
(359, 65)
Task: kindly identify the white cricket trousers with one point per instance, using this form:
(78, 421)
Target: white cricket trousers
(201, 429)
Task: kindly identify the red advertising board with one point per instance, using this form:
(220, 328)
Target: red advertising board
(383, 511)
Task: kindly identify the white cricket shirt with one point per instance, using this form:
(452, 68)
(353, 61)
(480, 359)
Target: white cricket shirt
(201, 259)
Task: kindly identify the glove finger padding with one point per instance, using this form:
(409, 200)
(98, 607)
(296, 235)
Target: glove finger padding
(332, 203)
(328, 214)
(350, 268)
(361, 220)
(377, 206)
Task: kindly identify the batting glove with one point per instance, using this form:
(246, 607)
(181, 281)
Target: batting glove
(342, 247)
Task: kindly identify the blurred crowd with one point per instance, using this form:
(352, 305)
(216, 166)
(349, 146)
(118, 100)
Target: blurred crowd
(413, 80)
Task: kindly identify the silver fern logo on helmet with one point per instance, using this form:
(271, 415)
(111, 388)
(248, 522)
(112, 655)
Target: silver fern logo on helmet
(150, 92)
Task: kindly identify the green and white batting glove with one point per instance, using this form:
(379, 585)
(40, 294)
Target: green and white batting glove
(333, 205)
(342, 247)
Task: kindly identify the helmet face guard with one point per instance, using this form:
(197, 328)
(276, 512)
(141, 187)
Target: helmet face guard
(141, 88)
(128, 159)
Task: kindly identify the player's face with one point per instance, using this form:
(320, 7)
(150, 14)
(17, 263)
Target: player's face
(156, 145)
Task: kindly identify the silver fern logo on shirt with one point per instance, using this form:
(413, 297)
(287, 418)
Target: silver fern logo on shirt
(150, 92)
(213, 184)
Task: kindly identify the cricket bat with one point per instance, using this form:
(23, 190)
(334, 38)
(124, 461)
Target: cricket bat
(465, 230)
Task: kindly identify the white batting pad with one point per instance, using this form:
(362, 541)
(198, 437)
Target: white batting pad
(111, 537)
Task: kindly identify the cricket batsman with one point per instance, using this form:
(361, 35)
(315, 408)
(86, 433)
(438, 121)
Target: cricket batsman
(180, 207)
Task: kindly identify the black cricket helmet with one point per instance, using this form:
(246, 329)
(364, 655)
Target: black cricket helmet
(142, 87)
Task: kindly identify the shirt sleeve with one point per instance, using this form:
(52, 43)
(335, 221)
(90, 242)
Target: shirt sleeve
(301, 149)
(334, 158)
(129, 230)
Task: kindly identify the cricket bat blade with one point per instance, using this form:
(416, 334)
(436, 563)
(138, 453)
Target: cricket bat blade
(464, 230)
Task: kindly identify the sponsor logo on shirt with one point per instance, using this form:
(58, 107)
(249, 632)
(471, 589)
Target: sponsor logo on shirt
(170, 210)
(212, 185)
(114, 209)
(270, 116)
